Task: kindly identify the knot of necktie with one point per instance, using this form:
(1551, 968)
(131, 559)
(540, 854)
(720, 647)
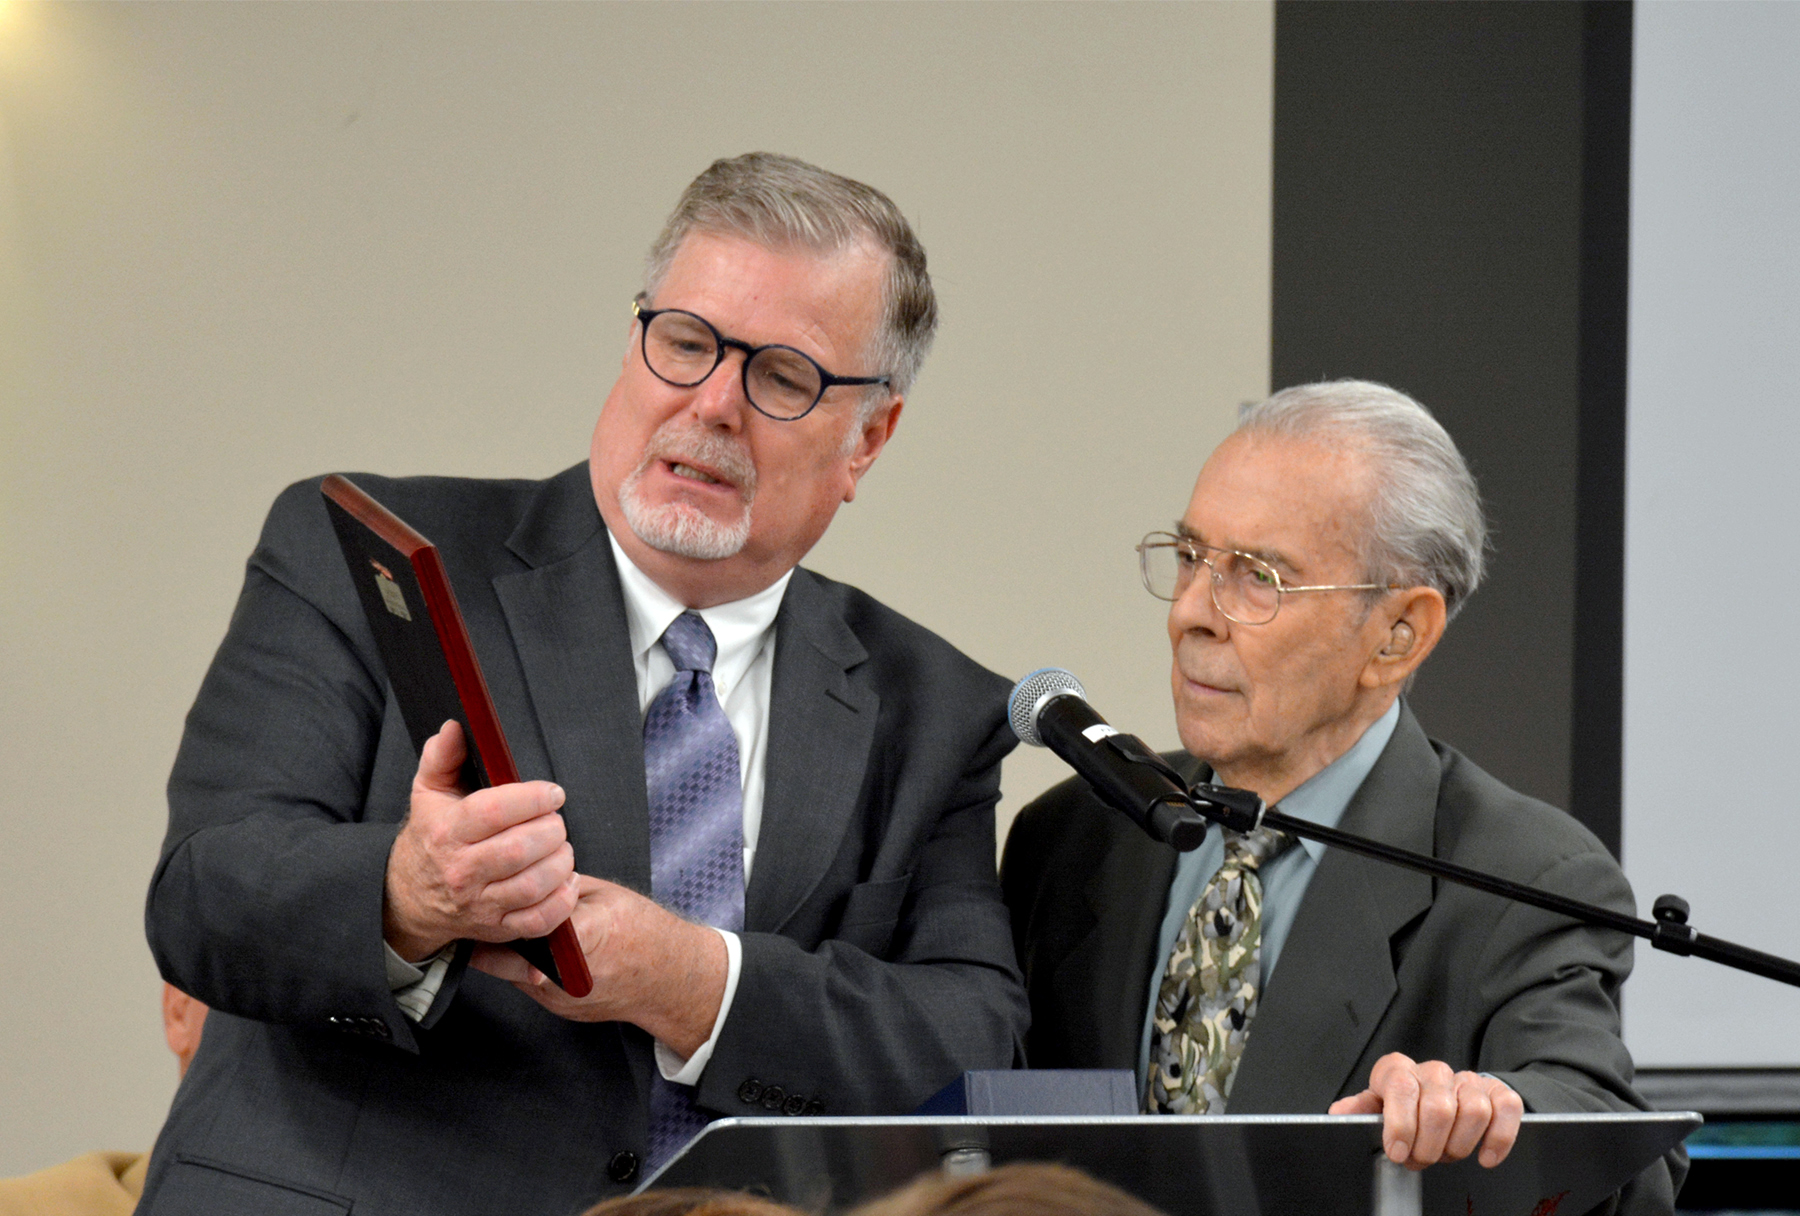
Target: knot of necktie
(1252, 850)
(689, 643)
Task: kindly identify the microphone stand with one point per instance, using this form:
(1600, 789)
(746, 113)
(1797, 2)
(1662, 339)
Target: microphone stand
(1243, 811)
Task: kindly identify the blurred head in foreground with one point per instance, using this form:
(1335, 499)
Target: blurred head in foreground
(1023, 1188)
(692, 1201)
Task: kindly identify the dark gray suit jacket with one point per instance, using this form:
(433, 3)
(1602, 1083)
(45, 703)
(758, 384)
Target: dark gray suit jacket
(1379, 959)
(877, 961)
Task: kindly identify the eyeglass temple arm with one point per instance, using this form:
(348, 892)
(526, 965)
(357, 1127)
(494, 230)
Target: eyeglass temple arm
(1287, 590)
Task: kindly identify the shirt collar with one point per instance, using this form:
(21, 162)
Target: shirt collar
(740, 628)
(1325, 796)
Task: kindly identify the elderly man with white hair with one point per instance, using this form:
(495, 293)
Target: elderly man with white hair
(1329, 541)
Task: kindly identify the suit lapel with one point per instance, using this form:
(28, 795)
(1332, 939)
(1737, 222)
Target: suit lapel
(1103, 982)
(567, 618)
(1335, 976)
(821, 729)
(1105, 979)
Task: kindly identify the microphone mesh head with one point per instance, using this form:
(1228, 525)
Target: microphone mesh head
(1029, 695)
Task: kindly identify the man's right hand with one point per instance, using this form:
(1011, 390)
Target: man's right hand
(494, 865)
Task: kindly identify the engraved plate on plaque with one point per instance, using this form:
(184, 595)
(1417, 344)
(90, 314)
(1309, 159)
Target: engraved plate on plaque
(390, 592)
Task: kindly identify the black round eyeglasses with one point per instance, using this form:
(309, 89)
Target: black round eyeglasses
(683, 348)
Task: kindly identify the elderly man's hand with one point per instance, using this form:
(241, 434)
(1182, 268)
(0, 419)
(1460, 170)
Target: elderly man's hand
(651, 968)
(1431, 1114)
(493, 866)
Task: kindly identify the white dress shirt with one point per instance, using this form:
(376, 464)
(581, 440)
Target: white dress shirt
(742, 673)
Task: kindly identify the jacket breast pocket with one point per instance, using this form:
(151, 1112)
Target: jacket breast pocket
(871, 913)
(196, 1184)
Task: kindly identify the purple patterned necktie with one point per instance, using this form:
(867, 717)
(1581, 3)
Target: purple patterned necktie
(696, 793)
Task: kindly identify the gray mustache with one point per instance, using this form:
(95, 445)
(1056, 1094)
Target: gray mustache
(705, 449)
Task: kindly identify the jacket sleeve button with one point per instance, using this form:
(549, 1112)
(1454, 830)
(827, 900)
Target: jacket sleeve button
(815, 1107)
(751, 1091)
(796, 1104)
(623, 1167)
(773, 1097)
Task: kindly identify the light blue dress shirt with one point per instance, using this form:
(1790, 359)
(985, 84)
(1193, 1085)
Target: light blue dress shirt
(1322, 799)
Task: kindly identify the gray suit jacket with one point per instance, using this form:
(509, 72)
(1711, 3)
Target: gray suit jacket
(877, 958)
(1379, 959)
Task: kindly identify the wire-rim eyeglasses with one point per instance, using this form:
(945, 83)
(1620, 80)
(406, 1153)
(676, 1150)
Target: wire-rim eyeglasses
(1245, 588)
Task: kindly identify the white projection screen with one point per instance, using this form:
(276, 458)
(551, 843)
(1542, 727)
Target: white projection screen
(1712, 568)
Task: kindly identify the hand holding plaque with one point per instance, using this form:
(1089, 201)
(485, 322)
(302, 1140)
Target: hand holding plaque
(482, 855)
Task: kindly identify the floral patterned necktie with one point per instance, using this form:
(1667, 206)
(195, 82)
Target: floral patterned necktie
(1212, 984)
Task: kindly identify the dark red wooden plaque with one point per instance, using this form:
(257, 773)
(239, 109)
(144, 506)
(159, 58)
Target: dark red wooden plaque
(431, 664)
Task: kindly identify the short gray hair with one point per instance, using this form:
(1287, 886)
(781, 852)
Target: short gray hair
(1425, 520)
(780, 202)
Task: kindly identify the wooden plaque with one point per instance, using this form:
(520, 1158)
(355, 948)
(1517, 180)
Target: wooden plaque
(431, 665)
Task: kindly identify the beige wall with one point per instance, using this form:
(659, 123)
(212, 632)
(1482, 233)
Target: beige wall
(244, 244)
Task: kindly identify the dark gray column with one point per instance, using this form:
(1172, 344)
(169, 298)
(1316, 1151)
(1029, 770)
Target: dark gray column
(1449, 218)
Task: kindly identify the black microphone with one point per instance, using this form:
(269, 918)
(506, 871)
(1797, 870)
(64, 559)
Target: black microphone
(1049, 708)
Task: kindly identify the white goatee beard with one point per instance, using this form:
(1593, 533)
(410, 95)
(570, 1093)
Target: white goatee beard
(681, 528)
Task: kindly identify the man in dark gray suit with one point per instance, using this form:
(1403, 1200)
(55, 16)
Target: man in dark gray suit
(1327, 544)
(708, 729)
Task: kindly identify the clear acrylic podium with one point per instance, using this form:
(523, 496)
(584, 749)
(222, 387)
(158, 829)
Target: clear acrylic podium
(1225, 1165)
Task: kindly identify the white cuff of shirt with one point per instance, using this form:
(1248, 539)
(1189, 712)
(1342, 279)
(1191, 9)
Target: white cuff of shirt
(415, 987)
(672, 1067)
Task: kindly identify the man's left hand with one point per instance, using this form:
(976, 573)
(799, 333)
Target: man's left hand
(651, 968)
(1430, 1113)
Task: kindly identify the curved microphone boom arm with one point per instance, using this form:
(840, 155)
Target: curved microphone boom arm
(1242, 811)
